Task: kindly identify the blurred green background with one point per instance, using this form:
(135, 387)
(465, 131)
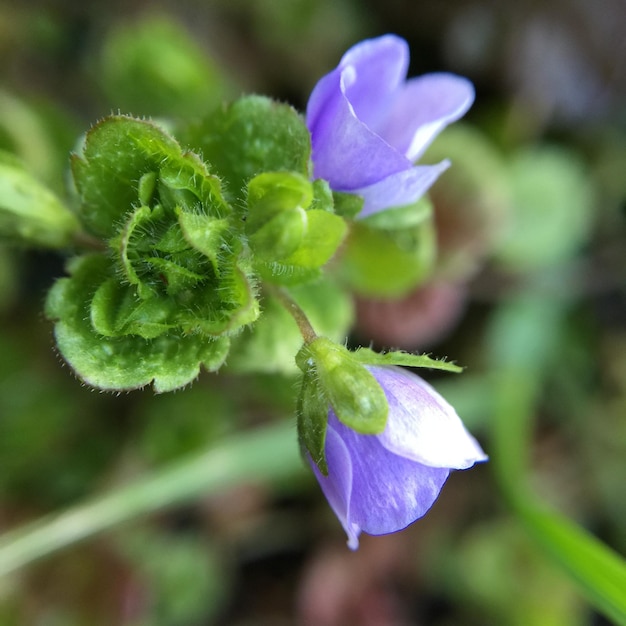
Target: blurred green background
(528, 292)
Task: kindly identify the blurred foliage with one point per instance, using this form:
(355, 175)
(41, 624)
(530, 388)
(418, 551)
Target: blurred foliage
(153, 67)
(529, 220)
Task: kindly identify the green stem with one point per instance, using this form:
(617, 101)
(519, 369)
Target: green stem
(86, 241)
(306, 330)
(265, 454)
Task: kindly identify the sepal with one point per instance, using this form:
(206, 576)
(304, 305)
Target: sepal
(399, 357)
(312, 416)
(347, 205)
(351, 390)
(292, 228)
(271, 343)
(390, 253)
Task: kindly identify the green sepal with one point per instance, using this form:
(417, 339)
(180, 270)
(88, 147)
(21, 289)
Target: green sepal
(281, 236)
(276, 221)
(355, 395)
(398, 357)
(324, 234)
(312, 420)
(29, 212)
(169, 361)
(252, 135)
(109, 172)
(272, 193)
(347, 205)
(399, 218)
(388, 262)
(323, 197)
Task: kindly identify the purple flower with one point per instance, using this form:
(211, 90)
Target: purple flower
(369, 125)
(380, 484)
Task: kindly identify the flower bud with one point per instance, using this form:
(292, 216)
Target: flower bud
(381, 483)
(357, 399)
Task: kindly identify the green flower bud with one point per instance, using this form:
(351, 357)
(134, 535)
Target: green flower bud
(352, 391)
(281, 236)
(277, 220)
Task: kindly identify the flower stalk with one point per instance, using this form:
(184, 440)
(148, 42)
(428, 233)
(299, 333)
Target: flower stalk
(295, 310)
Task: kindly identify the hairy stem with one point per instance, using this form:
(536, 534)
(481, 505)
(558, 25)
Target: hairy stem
(306, 330)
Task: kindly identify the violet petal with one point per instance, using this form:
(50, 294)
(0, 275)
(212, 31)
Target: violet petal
(399, 189)
(388, 492)
(422, 426)
(337, 486)
(422, 108)
(378, 69)
(346, 152)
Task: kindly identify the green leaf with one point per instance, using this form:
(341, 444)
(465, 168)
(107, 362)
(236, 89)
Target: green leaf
(352, 391)
(147, 188)
(552, 209)
(127, 254)
(162, 256)
(472, 200)
(599, 571)
(117, 311)
(265, 454)
(524, 347)
(168, 362)
(312, 415)
(118, 152)
(186, 183)
(251, 136)
(216, 311)
(154, 67)
(184, 572)
(369, 357)
(29, 212)
(205, 233)
(388, 263)
(40, 132)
